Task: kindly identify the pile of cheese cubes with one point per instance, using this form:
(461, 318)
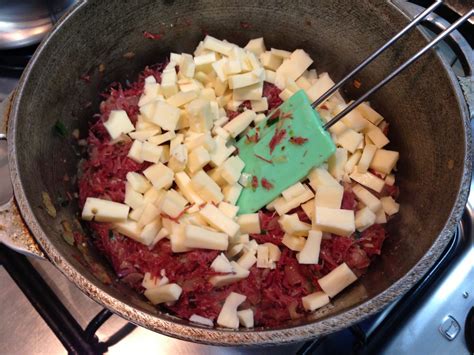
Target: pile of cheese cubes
(183, 127)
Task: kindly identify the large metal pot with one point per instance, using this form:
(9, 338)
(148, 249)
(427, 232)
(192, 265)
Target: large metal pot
(428, 118)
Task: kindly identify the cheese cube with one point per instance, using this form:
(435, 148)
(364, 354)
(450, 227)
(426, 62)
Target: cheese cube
(162, 138)
(308, 208)
(178, 158)
(368, 199)
(329, 196)
(315, 300)
(303, 83)
(293, 68)
(242, 80)
(369, 113)
(173, 203)
(323, 84)
(149, 214)
(390, 180)
(259, 118)
(200, 115)
(216, 45)
(221, 152)
(310, 252)
(198, 237)
(118, 123)
(274, 252)
(104, 210)
(389, 205)
(143, 135)
(228, 315)
(337, 280)
(201, 320)
(228, 209)
(280, 53)
(232, 66)
(149, 232)
(259, 105)
(247, 260)
(232, 193)
(336, 163)
(201, 139)
(163, 294)
(203, 62)
(217, 219)
(231, 169)
(220, 68)
(364, 218)
(256, 46)
(282, 206)
(366, 158)
(151, 152)
(251, 92)
(133, 198)
(249, 223)
(184, 184)
(168, 82)
(240, 123)
(178, 238)
(263, 259)
(138, 182)
(152, 281)
(159, 175)
(270, 61)
(321, 177)
(187, 66)
(221, 264)
(337, 221)
(165, 116)
(384, 160)
(293, 242)
(206, 188)
(150, 93)
(292, 225)
(270, 76)
(377, 137)
(352, 119)
(135, 152)
(349, 139)
(380, 217)
(238, 274)
(182, 98)
(128, 228)
(246, 318)
(369, 180)
(198, 158)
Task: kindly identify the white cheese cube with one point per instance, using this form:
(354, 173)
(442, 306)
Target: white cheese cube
(151, 152)
(274, 252)
(159, 175)
(200, 115)
(380, 217)
(364, 218)
(366, 158)
(221, 151)
(201, 139)
(219, 220)
(104, 210)
(369, 113)
(246, 318)
(242, 80)
(329, 196)
(259, 118)
(323, 84)
(213, 44)
(256, 46)
(270, 61)
(303, 82)
(292, 225)
(182, 98)
(198, 158)
(337, 221)
(231, 169)
(292, 68)
(128, 228)
(201, 320)
(135, 152)
(168, 82)
(315, 300)
(187, 66)
(150, 93)
(270, 76)
(173, 203)
(293, 242)
(228, 315)
(282, 206)
(247, 260)
(149, 214)
(221, 264)
(369, 180)
(143, 135)
(259, 105)
(203, 62)
(352, 119)
(308, 208)
(263, 258)
(240, 239)
(201, 238)
(349, 139)
(377, 137)
(135, 214)
(232, 193)
(368, 199)
(162, 138)
(249, 223)
(178, 158)
(384, 160)
(152, 281)
(206, 188)
(240, 123)
(162, 294)
(337, 162)
(184, 184)
(166, 116)
(228, 209)
(252, 92)
(286, 94)
(138, 182)
(238, 273)
(232, 66)
(118, 123)
(337, 280)
(321, 177)
(149, 232)
(133, 198)
(390, 180)
(280, 53)
(310, 252)
(220, 69)
(178, 238)
(389, 205)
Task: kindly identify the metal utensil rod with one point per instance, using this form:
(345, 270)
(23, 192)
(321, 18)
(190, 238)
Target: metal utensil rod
(393, 74)
(374, 55)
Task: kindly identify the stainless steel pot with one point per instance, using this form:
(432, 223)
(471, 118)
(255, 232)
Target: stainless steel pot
(428, 117)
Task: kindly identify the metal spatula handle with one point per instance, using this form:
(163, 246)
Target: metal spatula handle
(435, 41)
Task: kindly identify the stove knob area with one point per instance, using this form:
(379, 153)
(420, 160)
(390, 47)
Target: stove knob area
(469, 331)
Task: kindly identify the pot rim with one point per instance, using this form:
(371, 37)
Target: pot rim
(218, 336)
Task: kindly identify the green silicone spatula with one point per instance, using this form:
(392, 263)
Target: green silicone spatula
(283, 148)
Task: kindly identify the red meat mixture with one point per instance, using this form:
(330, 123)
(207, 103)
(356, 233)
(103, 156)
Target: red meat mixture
(274, 295)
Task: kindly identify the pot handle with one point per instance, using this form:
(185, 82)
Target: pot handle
(457, 43)
(13, 231)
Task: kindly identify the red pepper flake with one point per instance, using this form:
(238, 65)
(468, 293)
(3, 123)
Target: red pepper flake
(324, 107)
(85, 78)
(264, 159)
(245, 25)
(275, 114)
(286, 115)
(252, 139)
(357, 84)
(276, 139)
(298, 140)
(267, 185)
(254, 182)
(155, 36)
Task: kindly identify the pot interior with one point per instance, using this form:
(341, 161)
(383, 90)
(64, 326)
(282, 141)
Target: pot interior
(421, 106)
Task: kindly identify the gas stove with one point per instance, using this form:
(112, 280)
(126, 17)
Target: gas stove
(436, 316)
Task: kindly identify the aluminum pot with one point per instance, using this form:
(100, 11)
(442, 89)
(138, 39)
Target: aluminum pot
(428, 118)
